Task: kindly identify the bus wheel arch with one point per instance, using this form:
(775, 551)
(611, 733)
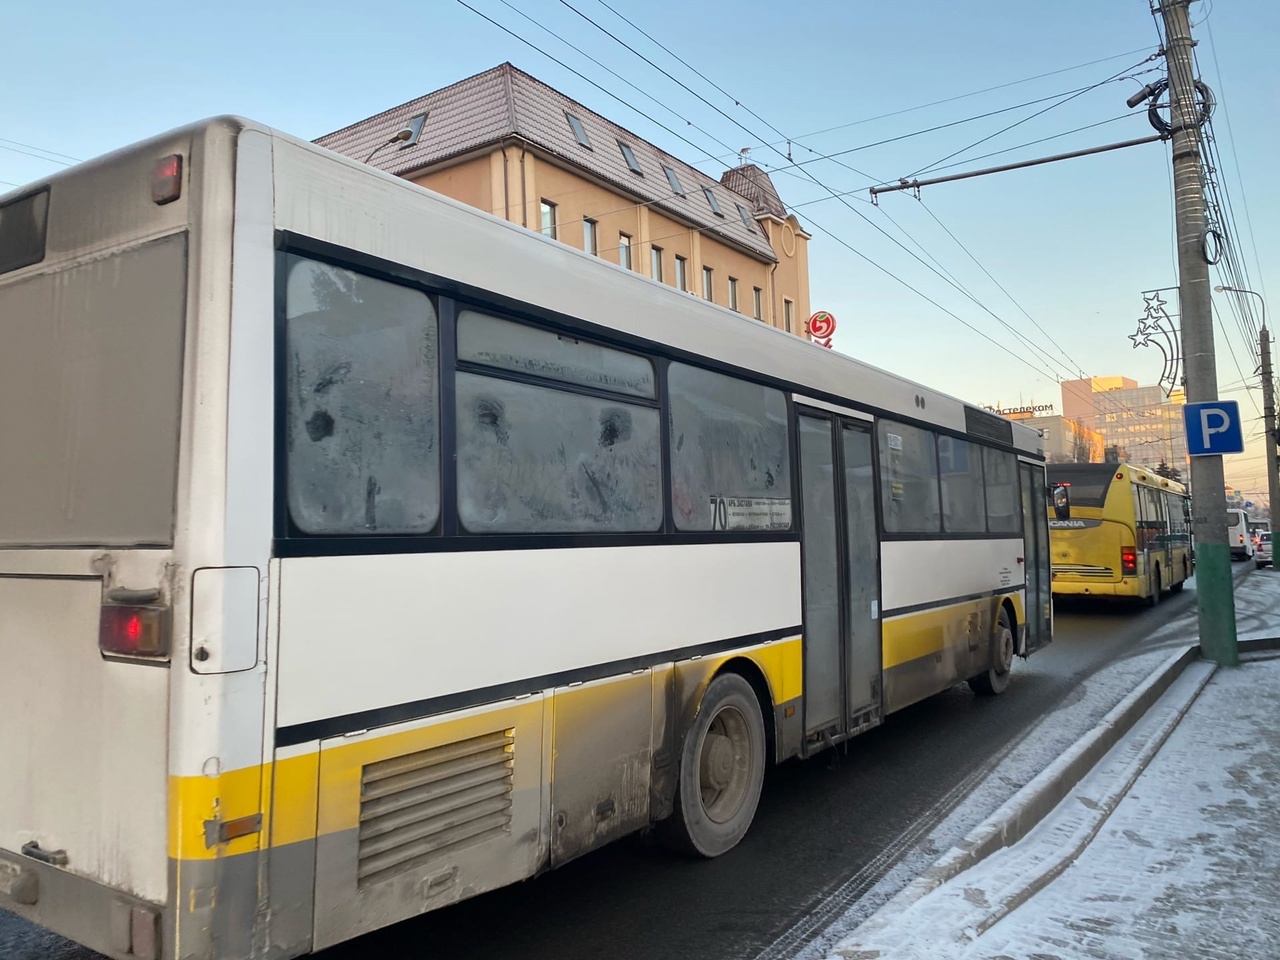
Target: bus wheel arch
(995, 678)
(721, 764)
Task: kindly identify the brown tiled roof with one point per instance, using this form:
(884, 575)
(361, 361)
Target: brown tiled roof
(506, 102)
(754, 184)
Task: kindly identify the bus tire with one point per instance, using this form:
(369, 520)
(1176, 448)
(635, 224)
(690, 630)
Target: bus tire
(721, 771)
(995, 679)
(1186, 575)
(1156, 587)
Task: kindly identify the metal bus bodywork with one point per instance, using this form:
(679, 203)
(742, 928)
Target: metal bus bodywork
(217, 801)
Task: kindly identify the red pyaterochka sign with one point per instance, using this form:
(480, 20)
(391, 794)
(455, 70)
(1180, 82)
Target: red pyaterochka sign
(822, 325)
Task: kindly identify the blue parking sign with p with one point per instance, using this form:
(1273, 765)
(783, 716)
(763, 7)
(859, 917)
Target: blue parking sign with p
(1213, 428)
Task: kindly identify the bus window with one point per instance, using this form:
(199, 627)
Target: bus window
(909, 479)
(1003, 514)
(960, 468)
(362, 431)
(532, 459)
(730, 455)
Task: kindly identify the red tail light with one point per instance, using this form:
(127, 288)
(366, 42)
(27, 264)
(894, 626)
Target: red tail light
(166, 179)
(133, 631)
(1128, 561)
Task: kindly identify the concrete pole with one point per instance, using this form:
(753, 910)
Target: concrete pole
(1215, 595)
(1269, 428)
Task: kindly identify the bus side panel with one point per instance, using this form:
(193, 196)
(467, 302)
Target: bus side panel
(939, 611)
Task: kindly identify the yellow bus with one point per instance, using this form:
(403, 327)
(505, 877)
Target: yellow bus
(1116, 530)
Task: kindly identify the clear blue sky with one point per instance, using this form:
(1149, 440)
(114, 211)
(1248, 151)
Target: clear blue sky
(1073, 243)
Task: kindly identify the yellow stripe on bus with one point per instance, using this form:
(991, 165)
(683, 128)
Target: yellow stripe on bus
(287, 791)
(928, 632)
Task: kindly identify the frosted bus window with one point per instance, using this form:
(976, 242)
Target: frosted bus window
(1004, 513)
(908, 479)
(538, 460)
(505, 345)
(960, 469)
(730, 456)
(361, 409)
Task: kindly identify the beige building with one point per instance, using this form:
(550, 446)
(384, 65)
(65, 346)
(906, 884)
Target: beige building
(1141, 425)
(1066, 441)
(507, 143)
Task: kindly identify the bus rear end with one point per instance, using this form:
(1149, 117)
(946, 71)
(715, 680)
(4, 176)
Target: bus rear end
(100, 301)
(1093, 549)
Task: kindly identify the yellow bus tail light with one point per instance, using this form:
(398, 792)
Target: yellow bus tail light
(1128, 561)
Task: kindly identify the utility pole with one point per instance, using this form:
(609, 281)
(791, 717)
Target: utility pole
(1215, 591)
(1269, 430)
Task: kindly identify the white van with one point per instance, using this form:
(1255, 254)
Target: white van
(1238, 535)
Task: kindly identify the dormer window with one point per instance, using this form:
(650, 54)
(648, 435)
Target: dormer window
(579, 130)
(746, 217)
(712, 202)
(630, 157)
(414, 128)
(673, 180)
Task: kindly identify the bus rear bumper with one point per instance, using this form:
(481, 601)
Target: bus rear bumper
(1129, 587)
(99, 917)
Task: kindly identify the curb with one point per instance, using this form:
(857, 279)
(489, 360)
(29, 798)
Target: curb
(1026, 808)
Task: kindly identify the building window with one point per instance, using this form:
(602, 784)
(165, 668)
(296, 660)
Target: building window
(548, 219)
(624, 250)
(746, 217)
(708, 286)
(733, 293)
(590, 239)
(630, 157)
(578, 130)
(673, 180)
(655, 262)
(682, 273)
(712, 202)
(757, 296)
(788, 314)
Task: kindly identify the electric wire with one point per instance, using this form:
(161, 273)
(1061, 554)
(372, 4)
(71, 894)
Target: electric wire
(1038, 113)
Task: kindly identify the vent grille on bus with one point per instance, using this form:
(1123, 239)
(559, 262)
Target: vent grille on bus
(416, 808)
(1083, 570)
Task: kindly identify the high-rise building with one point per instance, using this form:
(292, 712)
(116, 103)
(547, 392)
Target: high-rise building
(1140, 425)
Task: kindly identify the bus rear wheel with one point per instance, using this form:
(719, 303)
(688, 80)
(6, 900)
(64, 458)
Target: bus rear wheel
(721, 770)
(1157, 588)
(995, 679)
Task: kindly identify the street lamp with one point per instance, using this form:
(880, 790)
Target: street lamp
(1268, 408)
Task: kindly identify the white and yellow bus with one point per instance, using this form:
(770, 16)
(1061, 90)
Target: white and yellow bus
(361, 552)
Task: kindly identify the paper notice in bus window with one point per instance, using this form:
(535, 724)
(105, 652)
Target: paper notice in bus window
(750, 513)
(895, 441)
(896, 490)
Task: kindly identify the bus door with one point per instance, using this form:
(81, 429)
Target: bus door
(1035, 551)
(841, 553)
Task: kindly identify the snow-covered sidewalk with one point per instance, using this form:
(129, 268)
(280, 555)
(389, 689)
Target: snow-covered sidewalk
(1169, 847)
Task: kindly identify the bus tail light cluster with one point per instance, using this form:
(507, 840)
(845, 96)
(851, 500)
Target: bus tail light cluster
(134, 631)
(1128, 561)
(166, 179)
